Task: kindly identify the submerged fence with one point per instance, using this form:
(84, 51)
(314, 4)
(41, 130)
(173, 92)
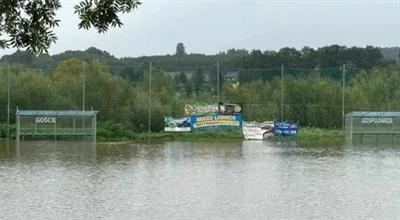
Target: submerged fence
(316, 97)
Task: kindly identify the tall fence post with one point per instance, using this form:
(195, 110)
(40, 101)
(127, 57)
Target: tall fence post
(218, 75)
(343, 94)
(8, 102)
(83, 94)
(18, 122)
(282, 70)
(83, 86)
(150, 69)
(94, 125)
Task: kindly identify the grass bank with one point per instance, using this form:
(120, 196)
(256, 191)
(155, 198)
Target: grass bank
(178, 136)
(116, 132)
(311, 135)
(307, 135)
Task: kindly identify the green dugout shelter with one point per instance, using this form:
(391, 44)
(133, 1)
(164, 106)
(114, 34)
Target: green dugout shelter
(373, 127)
(38, 123)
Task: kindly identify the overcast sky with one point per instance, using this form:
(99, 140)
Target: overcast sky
(211, 26)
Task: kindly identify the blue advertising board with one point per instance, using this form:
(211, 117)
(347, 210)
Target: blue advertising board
(216, 120)
(286, 129)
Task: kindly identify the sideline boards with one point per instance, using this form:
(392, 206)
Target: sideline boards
(177, 124)
(202, 117)
(194, 122)
(216, 120)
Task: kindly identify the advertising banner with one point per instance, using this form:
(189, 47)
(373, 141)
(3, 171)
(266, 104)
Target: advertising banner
(222, 108)
(216, 120)
(258, 131)
(286, 129)
(191, 109)
(177, 124)
(230, 108)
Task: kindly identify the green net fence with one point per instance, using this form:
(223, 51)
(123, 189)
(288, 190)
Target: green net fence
(123, 93)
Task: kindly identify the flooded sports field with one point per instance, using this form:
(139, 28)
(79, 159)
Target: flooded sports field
(185, 180)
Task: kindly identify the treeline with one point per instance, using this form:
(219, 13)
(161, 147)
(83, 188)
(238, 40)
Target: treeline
(131, 68)
(313, 97)
(391, 53)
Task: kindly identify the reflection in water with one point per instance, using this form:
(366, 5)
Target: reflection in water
(36, 151)
(184, 180)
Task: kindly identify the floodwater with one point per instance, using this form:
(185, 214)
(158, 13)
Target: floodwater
(235, 180)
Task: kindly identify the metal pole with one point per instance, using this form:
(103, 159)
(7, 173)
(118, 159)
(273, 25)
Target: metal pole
(282, 70)
(8, 102)
(150, 69)
(55, 131)
(83, 87)
(94, 125)
(218, 81)
(343, 92)
(18, 126)
(83, 96)
(73, 125)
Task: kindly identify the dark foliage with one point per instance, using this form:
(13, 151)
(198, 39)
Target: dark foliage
(232, 60)
(30, 23)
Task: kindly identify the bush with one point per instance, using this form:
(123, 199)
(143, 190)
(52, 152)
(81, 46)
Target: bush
(109, 130)
(3, 131)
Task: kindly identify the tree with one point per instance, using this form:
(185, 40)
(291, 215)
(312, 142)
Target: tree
(103, 91)
(289, 56)
(183, 83)
(309, 57)
(181, 79)
(237, 52)
(30, 23)
(198, 80)
(180, 50)
(19, 57)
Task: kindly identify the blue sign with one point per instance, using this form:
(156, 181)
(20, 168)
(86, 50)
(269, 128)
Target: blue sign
(286, 129)
(216, 120)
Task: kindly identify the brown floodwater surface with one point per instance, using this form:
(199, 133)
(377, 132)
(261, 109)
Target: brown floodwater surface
(184, 180)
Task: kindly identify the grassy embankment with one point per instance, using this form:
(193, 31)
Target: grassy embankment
(306, 135)
(117, 132)
(310, 135)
